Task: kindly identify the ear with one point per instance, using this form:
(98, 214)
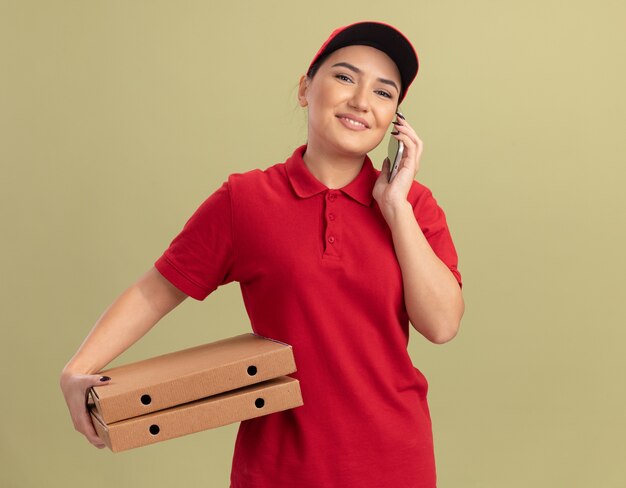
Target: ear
(302, 89)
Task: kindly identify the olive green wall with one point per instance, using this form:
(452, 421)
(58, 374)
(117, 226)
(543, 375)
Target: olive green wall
(118, 118)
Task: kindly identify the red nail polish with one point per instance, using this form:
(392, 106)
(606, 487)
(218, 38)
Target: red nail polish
(395, 133)
(104, 378)
(400, 115)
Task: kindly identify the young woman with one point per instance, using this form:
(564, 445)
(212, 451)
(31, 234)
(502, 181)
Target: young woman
(332, 258)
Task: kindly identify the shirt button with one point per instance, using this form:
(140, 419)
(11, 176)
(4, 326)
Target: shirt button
(331, 239)
(331, 197)
(331, 216)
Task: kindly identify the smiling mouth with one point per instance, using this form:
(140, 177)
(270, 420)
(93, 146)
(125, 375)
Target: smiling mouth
(353, 122)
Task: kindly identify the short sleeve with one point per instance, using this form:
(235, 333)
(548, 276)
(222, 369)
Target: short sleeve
(432, 220)
(200, 258)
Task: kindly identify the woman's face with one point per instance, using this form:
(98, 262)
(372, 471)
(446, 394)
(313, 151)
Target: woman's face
(351, 100)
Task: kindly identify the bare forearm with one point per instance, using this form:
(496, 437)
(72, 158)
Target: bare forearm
(126, 320)
(432, 295)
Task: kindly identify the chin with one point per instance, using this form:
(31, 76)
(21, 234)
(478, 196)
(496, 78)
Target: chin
(352, 151)
(357, 148)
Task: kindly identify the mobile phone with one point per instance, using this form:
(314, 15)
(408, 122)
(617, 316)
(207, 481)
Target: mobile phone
(394, 153)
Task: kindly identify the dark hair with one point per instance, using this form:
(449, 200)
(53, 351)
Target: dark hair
(316, 66)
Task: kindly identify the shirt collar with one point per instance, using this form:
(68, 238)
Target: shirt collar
(306, 185)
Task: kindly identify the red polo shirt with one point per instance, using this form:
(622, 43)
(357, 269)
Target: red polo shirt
(317, 270)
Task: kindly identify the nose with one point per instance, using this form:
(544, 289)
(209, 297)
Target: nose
(359, 100)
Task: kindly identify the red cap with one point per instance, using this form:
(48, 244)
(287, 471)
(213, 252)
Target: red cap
(381, 36)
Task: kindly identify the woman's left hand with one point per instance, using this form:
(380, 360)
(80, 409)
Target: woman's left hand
(391, 196)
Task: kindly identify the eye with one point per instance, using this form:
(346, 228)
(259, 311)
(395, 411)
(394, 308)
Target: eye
(343, 77)
(384, 93)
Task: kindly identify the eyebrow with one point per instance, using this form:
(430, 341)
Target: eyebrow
(358, 71)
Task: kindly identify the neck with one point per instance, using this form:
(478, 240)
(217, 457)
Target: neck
(333, 171)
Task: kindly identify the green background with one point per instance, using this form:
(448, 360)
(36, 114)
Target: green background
(118, 118)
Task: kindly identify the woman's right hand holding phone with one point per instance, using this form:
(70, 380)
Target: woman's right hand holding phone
(393, 194)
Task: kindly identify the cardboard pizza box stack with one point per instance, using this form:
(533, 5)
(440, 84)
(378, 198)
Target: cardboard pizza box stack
(194, 389)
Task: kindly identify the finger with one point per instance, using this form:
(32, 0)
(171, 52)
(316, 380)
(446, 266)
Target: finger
(77, 394)
(90, 430)
(409, 133)
(95, 441)
(405, 128)
(88, 380)
(409, 146)
(413, 143)
(410, 158)
(86, 427)
(91, 381)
